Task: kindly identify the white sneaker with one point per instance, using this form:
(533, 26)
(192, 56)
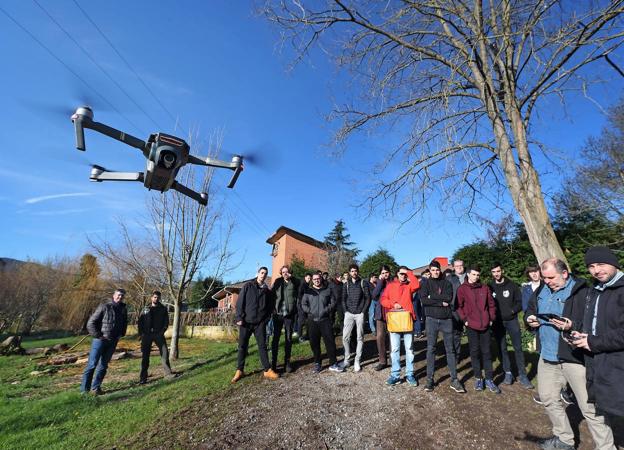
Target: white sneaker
(356, 367)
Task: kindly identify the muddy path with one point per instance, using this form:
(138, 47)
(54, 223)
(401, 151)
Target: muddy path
(357, 410)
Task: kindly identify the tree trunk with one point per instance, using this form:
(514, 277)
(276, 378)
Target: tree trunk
(175, 335)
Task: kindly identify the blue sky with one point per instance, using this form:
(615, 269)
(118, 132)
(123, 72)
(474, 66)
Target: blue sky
(217, 68)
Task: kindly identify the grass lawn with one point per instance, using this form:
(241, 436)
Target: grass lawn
(48, 411)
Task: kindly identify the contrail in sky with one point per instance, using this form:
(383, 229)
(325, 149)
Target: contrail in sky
(53, 197)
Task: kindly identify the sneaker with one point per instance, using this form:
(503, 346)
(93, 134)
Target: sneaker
(411, 380)
(380, 366)
(336, 368)
(479, 384)
(270, 374)
(457, 386)
(357, 367)
(509, 378)
(317, 368)
(288, 368)
(555, 443)
(536, 399)
(237, 376)
(567, 396)
(392, 381)
(295, 335)
(525, 382)
(429, 385)
(143, 381)
(492, 386)
(302, 339)
(345, 364)
(97, 392)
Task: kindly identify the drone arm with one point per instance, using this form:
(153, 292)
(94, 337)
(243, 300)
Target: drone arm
(113, 133)
(212, 162)
(237, 172)
(98, 174)
(201, 198)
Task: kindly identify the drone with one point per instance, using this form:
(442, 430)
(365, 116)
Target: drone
(165, 154)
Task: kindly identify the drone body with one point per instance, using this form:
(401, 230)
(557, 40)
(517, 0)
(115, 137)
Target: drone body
(165, 155)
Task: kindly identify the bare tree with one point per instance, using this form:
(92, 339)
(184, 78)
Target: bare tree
(462, 81)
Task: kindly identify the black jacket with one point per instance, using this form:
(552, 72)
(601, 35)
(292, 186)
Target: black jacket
(154, 319)
(573, 309)
(278, 290)
(109, 321)
(318, 303)
(355, 296)
(508, 298)
(255, 303)
(605, 367)
(434, 291)
(376, 297)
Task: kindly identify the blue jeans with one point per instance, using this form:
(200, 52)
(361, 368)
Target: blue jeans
(395, 353)
(371, 316)
(101, 353)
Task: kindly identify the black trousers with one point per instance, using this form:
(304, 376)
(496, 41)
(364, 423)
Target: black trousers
(324, 329)
(244, 333)
(458, 331)
(479, 343)
(511, 327)
(287, 324)
(301, 320)
(146, 347)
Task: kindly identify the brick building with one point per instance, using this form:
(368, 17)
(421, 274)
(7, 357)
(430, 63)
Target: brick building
(288, 243)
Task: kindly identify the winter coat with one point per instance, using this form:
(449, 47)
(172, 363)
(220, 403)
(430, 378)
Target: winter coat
(401, 293)
(318, 304)
(109, 321)
(508, 299)
(255, 303)
(605, 370)
(154, 319)
(475, 305)
(355, 296)
(433, 292)
(573, 309)
(527, 292)
(278, 294)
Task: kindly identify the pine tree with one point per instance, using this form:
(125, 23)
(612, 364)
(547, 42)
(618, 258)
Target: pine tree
(340, 250)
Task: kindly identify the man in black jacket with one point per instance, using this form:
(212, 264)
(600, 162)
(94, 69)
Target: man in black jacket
(563, 299)
(508, 300)
(107, 324)
(286, 293)
(318, 302)
(355, 300)
(603, 332)
(436, 296)
(152, 325)
(253, 309)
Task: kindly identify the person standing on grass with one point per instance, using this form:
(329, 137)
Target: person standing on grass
(380, 317)
(107, 325)
(436, 295)
(318, 302)
(563, 297)
(398, 296)
(355, 301)
(477, 310)
(253, 310)
(286, 294)
(508, 300)
(152, 324)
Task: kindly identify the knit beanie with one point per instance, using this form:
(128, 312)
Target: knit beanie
(600, 254)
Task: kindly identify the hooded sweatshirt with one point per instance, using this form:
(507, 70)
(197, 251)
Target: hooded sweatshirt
(508, 299)
(475, 305)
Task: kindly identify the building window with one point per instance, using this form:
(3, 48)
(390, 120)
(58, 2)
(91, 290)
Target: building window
(275, 249)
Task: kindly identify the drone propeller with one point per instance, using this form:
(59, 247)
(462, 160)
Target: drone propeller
(63, 111)
(263, 156)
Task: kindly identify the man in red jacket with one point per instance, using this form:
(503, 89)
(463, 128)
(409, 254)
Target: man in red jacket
(477, 310)
(398, 296)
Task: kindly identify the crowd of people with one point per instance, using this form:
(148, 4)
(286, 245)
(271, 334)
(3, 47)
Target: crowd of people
(578, 326)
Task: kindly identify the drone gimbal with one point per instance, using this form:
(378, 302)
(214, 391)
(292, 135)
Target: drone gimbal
(165, 156)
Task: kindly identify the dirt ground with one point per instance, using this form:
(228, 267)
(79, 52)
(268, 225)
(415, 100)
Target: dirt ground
(357, 410)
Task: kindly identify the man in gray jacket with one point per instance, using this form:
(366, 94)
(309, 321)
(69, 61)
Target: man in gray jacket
(107, 324)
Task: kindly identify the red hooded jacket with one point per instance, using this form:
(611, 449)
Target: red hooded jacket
(401, 293)
(475, 305)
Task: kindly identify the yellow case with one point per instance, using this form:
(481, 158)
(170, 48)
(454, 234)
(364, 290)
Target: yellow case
(399, 322)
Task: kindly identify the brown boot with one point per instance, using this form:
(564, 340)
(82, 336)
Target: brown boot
(270, 374)
(237, 376)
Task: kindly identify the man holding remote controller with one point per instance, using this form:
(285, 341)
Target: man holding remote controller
(559, 306)
(603, 332)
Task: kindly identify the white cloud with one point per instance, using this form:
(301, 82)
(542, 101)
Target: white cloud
(55, 196)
